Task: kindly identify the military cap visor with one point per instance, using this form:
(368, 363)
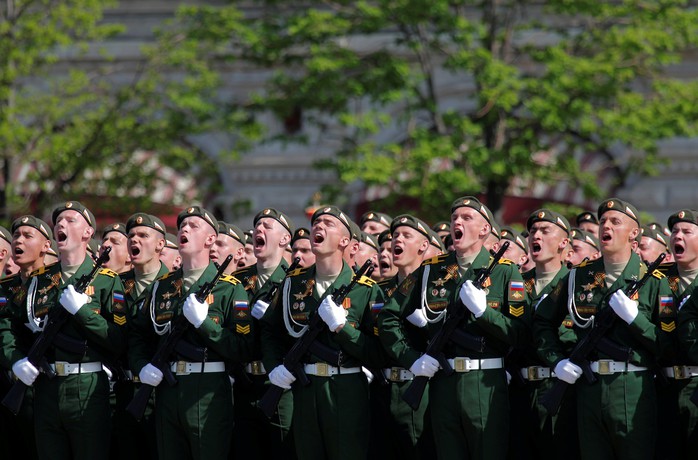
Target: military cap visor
(513, 236)
(5, 235)
(385, 237)
(34, 222)
(171, 241)
(436, 241)
(587, 216)
(232, 231)
(655, 233)
(372, 216)
(278, 216)
(406, 220)
(198, 211)
(474, 203)
(334, 211)
(615, 204)
(370, 240)
(117, 227)
(77, 207)
(584, 236)
(684, 215)
(546, 215)
(141, 219)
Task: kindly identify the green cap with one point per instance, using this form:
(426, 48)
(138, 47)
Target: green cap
(171, 241)
(5, 235)
(385, 236)
(141, 219)
(117, 227)
(93, 247)
(53, 250)
(75, 206)
(355, 231)
(198, 211)
(472, 202)
(684, 215)
(509, 234)
(587, 237)
(278, 216)
(587, 216)
(233, 231)
(372, 216)
(370, 240)
(546, 215)
(442, 226)
(435, 240)
(300, 234)
(655, 231)
(407, 220)
(34, 222)
(248, 236)
(336, 212)
(615, 204)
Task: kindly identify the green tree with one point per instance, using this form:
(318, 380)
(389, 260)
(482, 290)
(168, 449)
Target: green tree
(536, 84)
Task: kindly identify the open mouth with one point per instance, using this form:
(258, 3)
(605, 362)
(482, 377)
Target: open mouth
(398, 250)
(384, 265)
(259, 242)
(135, 251)
(606, 237)
(457, 234)
(317, 238)
(19, 251)
(535, 248)
(183, 239)
(679, 249)
(61, 237)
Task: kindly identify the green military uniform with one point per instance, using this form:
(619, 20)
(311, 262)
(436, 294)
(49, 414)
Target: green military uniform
(331, 415)
(255, 435)
(470, 410)
(616, 415)
(193, 418)
(72, 413)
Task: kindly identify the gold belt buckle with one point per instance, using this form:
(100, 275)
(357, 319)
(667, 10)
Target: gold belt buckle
(256, 368)
(60, 368)
(604, 367)
(322, 370)
(680, 372)
(460, 364)
(533, 375)
(395, 374)
(181, 368)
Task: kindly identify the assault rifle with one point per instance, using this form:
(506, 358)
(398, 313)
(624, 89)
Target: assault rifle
(596, 340)
(161, 359)
(293, 359)
(449, 331)
(54, 322)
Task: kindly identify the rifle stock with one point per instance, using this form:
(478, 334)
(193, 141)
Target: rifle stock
(595, 339)
(413, 395)
(161, 358)
(293, 359)
(55, 321)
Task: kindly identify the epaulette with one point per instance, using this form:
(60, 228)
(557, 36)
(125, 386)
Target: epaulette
(108, 272)
(666, 267)
(504, 261)
(166, 275)
(583, 263)
(229, 279)
(658, 274)
(42, 270)
(239, 274)
(384, 283)
(297, 271)
(435, 260)
(366, 281)
(9, 278)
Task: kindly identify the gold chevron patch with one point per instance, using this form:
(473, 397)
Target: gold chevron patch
(120, 319)
(516, 311)
(375, 331)
(240, 329)
(668, 327)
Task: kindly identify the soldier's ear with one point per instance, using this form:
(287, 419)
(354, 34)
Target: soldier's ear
(210, 239)
(563, 244)
(284, 240)
(423, 246)
(160, 245)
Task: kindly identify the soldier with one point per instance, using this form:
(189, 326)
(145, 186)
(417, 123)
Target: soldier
(404, 434)
(30, 242)
(588, 222)
(114, 236)
(255, 435)
(443, 229)
(677, 414)
(353, 248)
(146, 240)
(170, 253)
(5, 248)
(331, 415)
(300, 243)
(385, 260)
(652, 243)
(469, 408)
(492, 241)
(51, 256)
(540, 435)
(368, 250)
(193, 418)
(518, 247)
(436, 245)
(71, 411)
(584, 246)
(248, 259)
(230, 241)
(374, 223)
(616, 414)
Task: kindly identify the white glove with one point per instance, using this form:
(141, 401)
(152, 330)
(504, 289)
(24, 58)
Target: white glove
(368, 374)
(425, 366)
(418, 317)
(72, 300)
(25, 371)
(150, 375)
(332, 314)
(195, 311)
(625, 308)
(259, 308)
(281, 377)
(473, 298)
(567, 371)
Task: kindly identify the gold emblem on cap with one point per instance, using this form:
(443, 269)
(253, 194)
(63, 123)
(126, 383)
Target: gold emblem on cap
(505, 233)
(403, 220)
(466, 202)
(610, 204)
(115, 226)
(327, 210)
(69, 204)
(301, 232)
(682, 214)
(139, 220)
(370, 216)
(266, 211)
(190, 210)
(541, 215)
(25, 220)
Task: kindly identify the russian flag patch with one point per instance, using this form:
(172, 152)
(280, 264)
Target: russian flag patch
(376, 307)
(118, 297)
(3, 301)
(241, 305)
(516, 290)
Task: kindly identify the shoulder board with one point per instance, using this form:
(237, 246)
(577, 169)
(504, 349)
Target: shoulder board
(107, 272)
(366, 281)
(42, 270)
(229, 279)
(242, 272)
(9, 279)
(666, 267)
(435, 260)
(658, 274)
(384, 282)
(504, 261)
(583, 264)
(167, 275)
(297, 271)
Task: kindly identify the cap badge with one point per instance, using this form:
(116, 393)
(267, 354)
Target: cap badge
(266, 211)
(301, 232)
(25, 220)
(682, 214)
(403, 220)
(190, 210)
(541, 215)
(139, 220)
(610, 204)
(69, 204)
(327, 210)
(370, 216)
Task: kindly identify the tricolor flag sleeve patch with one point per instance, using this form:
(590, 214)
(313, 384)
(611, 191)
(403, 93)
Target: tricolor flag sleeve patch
(376, 307)
(241, 305)
(516, 290)
(666, 305)
(3, 301)
(118, 297)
